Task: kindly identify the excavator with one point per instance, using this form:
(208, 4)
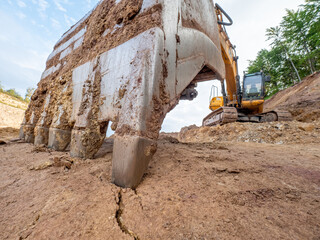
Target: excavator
(240, 103)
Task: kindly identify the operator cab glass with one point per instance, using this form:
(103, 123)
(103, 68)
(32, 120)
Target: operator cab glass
(252, 86)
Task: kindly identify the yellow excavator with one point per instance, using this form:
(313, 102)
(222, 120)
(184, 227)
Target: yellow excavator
(239, 103)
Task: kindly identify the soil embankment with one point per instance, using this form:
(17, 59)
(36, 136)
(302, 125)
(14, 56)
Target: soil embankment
(302, 100)
(11, 111)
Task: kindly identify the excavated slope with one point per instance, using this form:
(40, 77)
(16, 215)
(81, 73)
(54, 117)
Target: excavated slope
(11, 111)
(302, 100)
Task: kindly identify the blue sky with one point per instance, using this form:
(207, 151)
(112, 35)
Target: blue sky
(30, 29)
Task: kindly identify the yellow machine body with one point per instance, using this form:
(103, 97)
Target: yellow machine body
(215, 103)
(230, 60)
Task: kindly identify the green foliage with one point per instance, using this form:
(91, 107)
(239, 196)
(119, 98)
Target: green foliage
(12, 92)
(29, 94)
(295, 48)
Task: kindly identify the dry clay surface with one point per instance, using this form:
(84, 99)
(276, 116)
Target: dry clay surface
(11, 111)
(191, 191)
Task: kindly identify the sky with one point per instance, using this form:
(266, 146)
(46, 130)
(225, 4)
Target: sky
(30, 29)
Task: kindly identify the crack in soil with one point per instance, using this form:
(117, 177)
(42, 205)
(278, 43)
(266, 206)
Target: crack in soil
(140, 200)
(118, 215)
(28, 230)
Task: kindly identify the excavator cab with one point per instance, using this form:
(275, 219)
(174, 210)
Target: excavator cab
(254, 86)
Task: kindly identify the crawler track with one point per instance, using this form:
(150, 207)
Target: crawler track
(226, 115)
(221, 116)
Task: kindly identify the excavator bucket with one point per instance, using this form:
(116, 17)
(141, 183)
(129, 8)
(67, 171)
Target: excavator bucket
(126, 62)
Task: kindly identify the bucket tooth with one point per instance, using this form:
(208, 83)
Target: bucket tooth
(41, 136)
(131, 156)
(21, 132)
(59, 139)
(85, 143)
(28, 133)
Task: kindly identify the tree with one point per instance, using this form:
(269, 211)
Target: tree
(296, 26)
(12, 92)
(273, 63)
(275, 34)
(295, 48)
(29, 94)
(312, 9)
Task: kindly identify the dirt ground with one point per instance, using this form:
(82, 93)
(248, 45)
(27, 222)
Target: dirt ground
(220, 190)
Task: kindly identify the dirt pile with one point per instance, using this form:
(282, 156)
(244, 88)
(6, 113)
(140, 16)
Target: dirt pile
(302, 100)
(11, 111)
(274, 132)
(7, 134)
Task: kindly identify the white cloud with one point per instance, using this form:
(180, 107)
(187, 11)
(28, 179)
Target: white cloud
(190, 112)
(69, 20)
(55, 23)
(3, 38)
(43, 5)
(89, 3)
(21, 4)
(23, 53)
(21, 15)
(59, 6)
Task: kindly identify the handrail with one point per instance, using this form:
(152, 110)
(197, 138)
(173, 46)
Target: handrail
(226, 15)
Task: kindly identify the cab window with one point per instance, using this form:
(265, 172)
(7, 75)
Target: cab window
(253, 86)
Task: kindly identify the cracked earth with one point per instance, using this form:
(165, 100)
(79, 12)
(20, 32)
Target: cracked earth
(191, 191)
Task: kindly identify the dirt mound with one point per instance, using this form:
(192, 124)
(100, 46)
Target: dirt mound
(274, 132)
(302, 100)
(7, 134)
(12, 101)
(11, 111)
